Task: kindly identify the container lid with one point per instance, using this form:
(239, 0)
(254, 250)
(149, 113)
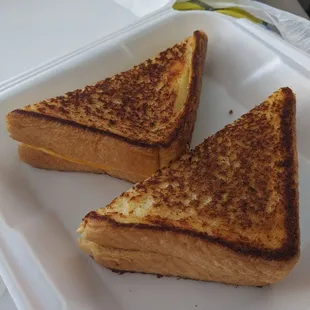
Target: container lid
(42, 32)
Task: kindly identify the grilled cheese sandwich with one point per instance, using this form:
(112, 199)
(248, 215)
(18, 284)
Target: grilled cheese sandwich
(225, 212)
(146, 115)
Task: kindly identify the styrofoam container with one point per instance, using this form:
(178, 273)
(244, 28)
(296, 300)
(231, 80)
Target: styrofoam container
(40, 210)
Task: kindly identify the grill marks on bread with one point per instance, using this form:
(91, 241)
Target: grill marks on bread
(136, 104)
(238, 186)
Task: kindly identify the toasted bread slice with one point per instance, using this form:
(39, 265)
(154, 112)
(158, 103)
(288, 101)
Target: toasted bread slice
(229, 208)
(131, 124)
(230, 271)
(50, 161)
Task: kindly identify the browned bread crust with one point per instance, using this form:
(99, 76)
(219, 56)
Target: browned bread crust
(42, 160)
(234, 197)
(204, 266)
(144, 115)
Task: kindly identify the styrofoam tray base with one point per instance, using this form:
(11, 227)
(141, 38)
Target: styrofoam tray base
(42, 209)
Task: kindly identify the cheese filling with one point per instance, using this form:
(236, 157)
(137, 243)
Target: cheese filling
(72, 160)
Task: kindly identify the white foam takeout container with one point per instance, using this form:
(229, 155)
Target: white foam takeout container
(40, 210)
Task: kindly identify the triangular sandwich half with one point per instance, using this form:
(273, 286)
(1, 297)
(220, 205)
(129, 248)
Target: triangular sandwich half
(128, 126)
(226, 212)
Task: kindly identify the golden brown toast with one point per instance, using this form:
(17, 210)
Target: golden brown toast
(43, 160)
(145, 115)
(229, 208)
